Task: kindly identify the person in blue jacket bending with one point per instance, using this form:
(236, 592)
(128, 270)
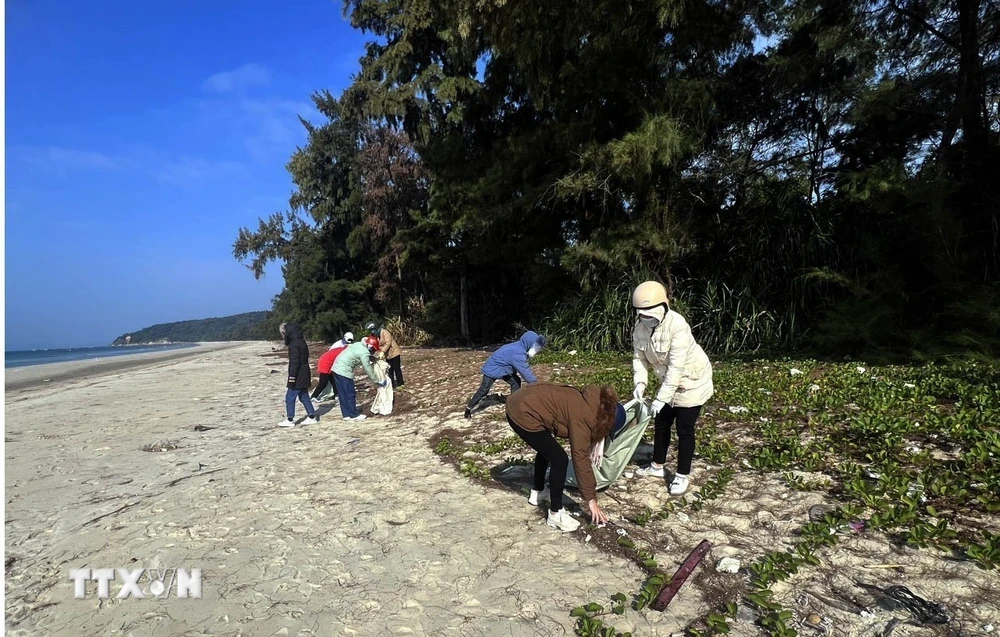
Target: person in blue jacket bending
(511, 364)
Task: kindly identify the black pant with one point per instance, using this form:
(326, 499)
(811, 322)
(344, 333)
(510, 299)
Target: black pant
(484, 388)
(324, 380)
(550, 455)
(686, 418)
(395, 372)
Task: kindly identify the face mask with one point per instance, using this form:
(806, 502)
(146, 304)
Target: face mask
(649, 321)
(532, 352)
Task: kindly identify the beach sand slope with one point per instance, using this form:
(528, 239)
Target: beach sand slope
(330, 529)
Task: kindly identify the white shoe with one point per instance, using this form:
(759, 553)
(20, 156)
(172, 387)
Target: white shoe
(286, 423)
(309, 421)
(679, 486)
(563, 521)
(537, 497)
(652, 472)
(359, 417)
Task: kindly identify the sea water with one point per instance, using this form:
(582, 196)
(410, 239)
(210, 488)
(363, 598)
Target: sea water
(43, 356)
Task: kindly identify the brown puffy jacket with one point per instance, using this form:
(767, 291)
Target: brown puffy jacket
(388, 344)
(584, 417)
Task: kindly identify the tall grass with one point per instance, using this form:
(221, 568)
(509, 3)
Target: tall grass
(732, 321)
(593, 322)
(723, 320)
(406, 329)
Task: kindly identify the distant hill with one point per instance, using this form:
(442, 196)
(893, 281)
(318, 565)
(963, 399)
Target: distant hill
(251, 326)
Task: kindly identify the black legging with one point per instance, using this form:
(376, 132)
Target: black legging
(686, 418)
(395, 372)
(550, 454)
(324, 380)
(484, 388)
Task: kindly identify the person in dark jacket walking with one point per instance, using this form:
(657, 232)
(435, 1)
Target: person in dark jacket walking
(299, 375)
(511, 363)
(542, 412)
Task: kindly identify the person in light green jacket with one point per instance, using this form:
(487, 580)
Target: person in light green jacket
(354, 356)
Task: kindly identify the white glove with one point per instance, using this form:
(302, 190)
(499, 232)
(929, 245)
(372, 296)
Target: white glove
(597, 454)
(657, 406)
(640, 389)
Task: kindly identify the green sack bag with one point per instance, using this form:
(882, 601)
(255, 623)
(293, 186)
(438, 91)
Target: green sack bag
(618, 452)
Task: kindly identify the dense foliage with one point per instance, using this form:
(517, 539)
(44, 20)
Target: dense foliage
(801, 172)
(251, 326)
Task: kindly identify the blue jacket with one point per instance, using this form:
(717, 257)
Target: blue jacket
(512, 358)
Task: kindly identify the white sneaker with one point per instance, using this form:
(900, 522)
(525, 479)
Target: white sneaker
(651, 472)
(537, 497)
(309, 421)
(359, 417)
(286, 423)
(563, 521)
(679, 486)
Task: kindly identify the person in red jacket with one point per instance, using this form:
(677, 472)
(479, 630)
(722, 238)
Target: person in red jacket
(372, 341)
(325, 365)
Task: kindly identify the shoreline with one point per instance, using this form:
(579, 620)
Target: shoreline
(29, 377)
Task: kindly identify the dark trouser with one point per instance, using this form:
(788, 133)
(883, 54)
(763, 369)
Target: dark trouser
(301, 394)
(395, 372)
(550, 455)
(348, 396)
(324, 380)
(484, 388)
(686, 418)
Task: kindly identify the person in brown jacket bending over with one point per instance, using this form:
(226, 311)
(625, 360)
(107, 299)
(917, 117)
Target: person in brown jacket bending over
(542, 412)
(391, 351)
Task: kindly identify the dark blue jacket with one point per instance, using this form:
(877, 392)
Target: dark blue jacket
(298, 358)
(513, 357)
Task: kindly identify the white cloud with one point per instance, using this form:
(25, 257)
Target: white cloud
(273, 127)
(58, 156)
(191, 171)
(237, 80)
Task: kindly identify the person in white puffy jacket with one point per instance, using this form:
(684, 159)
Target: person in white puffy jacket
(662, 339)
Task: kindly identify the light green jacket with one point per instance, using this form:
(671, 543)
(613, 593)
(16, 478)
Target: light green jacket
(351, 358)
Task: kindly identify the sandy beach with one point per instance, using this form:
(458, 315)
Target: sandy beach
(330, 529)
(369, 528)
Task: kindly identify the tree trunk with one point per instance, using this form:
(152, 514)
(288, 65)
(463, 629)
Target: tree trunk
(399, 278)
(464, 305)
(977, 203)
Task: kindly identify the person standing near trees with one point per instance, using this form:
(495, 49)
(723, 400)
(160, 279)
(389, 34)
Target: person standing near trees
(390, 348)
(299, 375)
(662, 339)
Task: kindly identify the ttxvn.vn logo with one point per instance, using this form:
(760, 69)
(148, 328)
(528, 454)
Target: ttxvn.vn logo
(158, 582)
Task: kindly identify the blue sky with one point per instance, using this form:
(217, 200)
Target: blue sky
(140, 136)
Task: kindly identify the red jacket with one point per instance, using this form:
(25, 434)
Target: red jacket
(325, 363)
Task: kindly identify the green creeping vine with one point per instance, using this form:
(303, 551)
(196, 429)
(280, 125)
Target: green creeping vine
(589, 624)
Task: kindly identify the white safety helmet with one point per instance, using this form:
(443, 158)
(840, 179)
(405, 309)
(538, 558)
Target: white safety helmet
(348, 337)
(649, 295)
